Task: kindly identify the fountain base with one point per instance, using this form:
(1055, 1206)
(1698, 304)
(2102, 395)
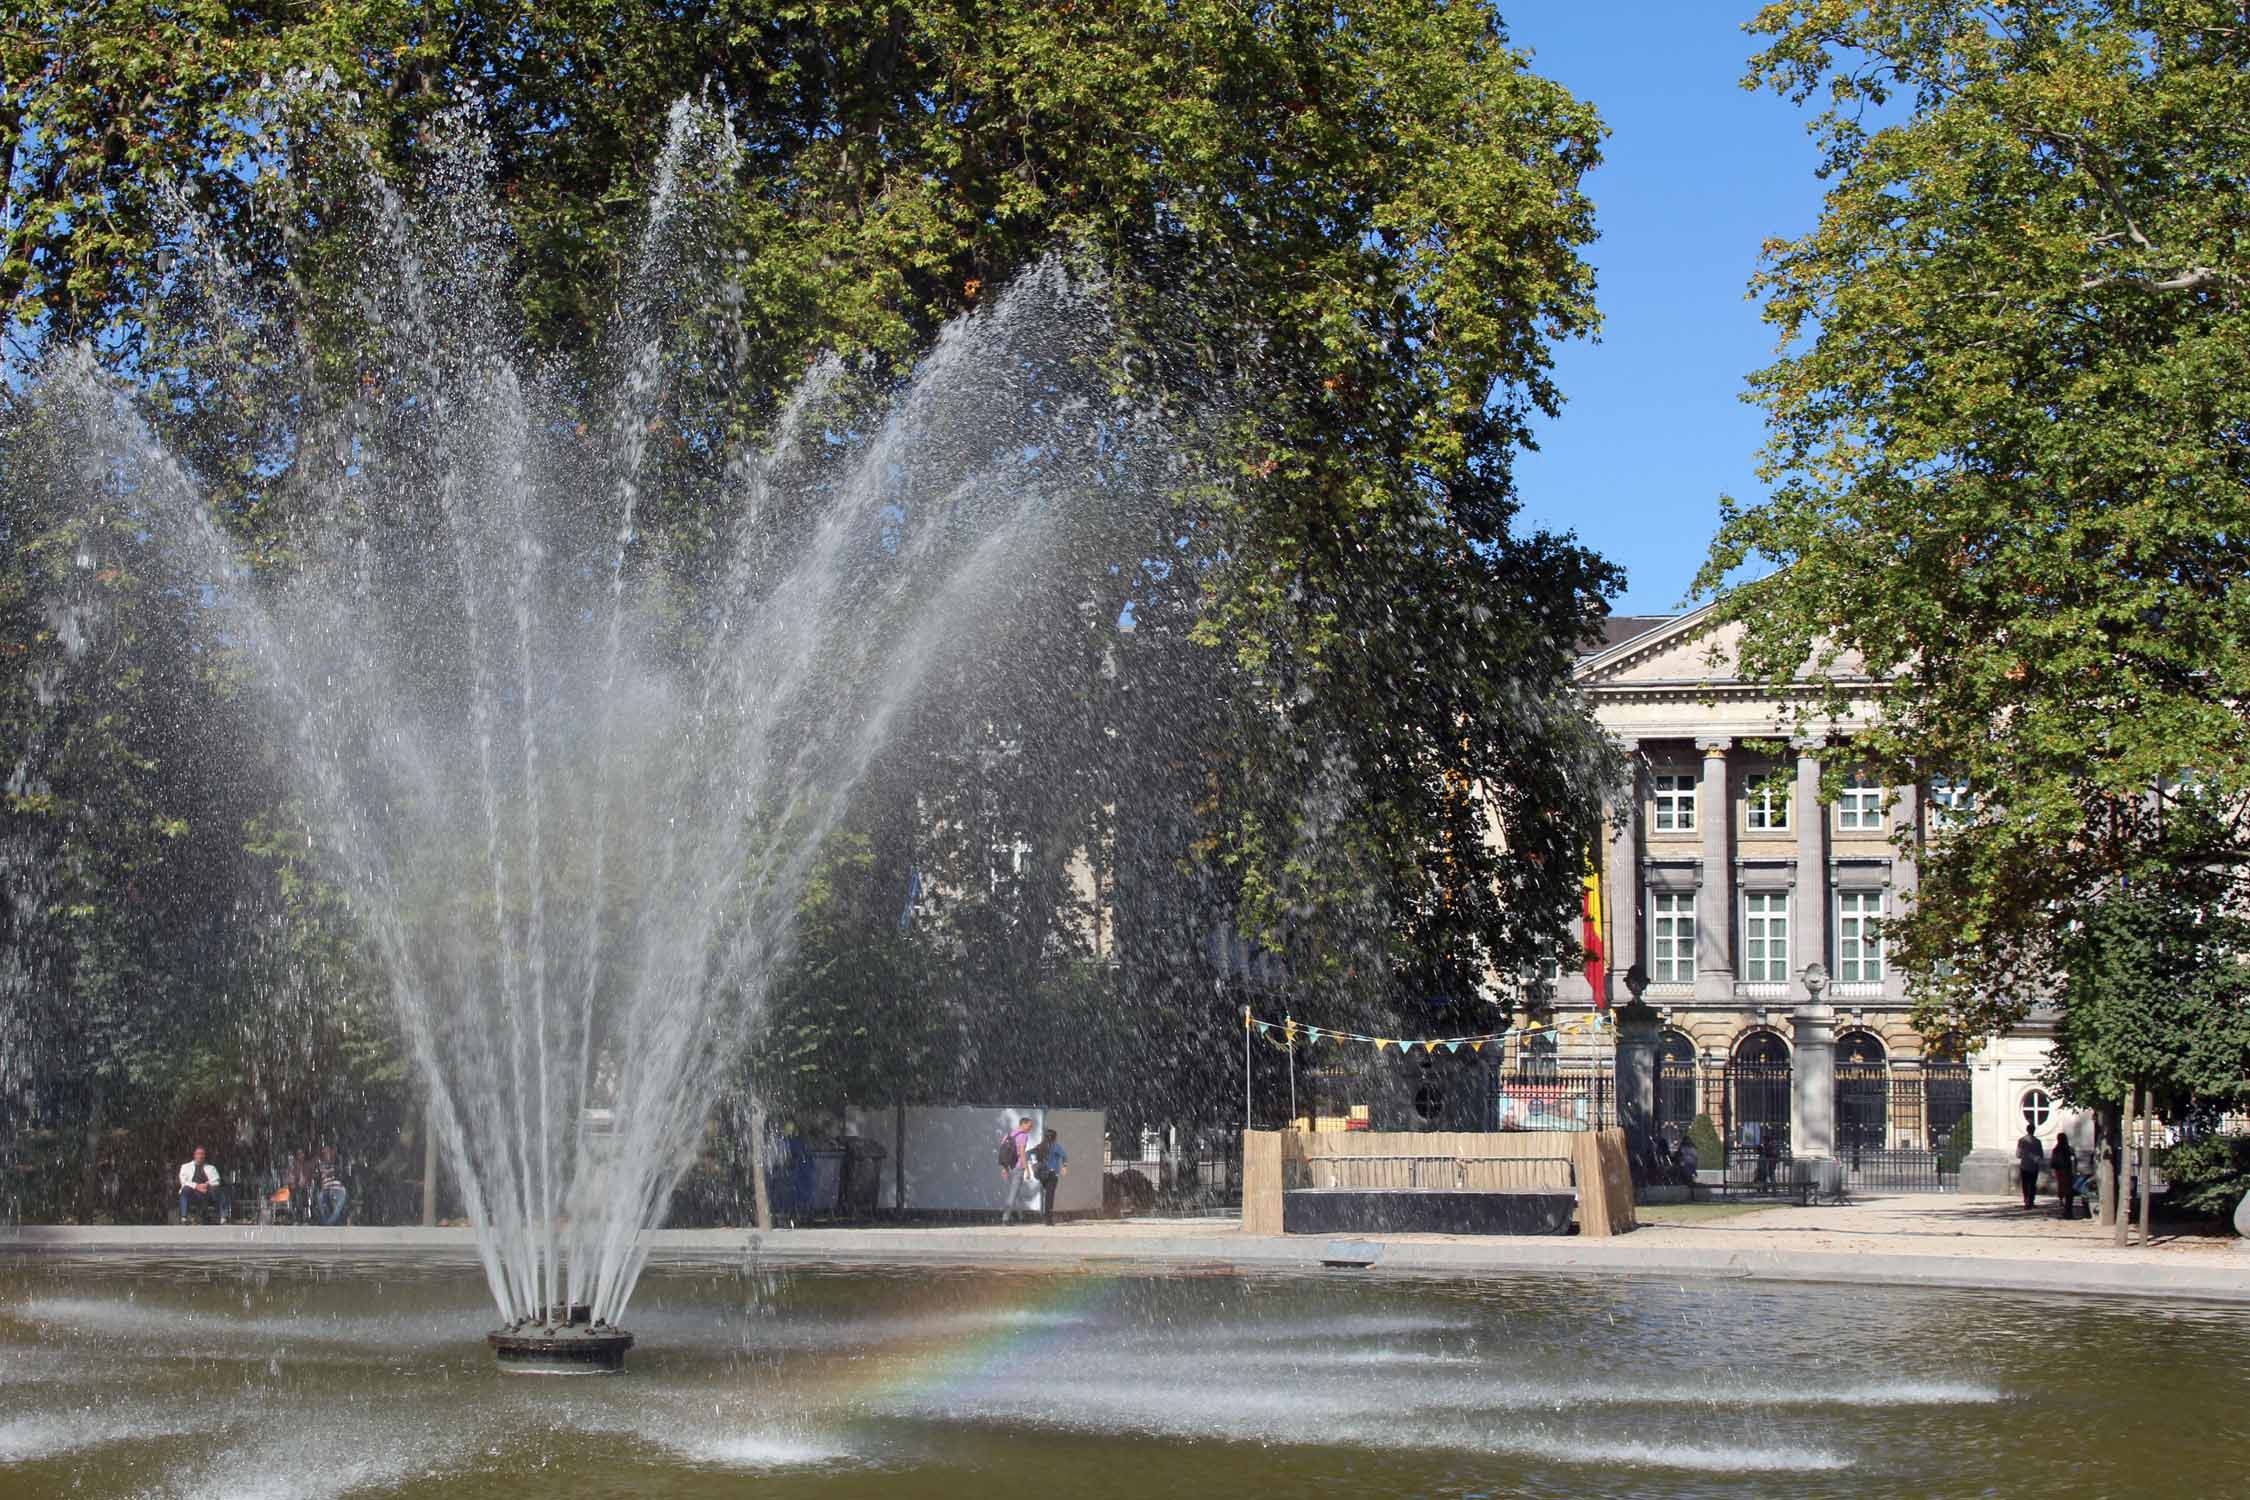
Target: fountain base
(565, 1342)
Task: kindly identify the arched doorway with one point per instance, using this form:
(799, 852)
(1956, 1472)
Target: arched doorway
(1863, 1091)
(1756, 1098)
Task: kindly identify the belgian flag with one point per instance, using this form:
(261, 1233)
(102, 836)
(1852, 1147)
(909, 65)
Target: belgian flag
(1590, 933)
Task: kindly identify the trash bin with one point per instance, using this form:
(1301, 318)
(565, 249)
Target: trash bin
(862, 1177)
(827, 1183)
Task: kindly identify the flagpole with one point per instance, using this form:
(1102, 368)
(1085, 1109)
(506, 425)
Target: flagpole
(1289, 1030)
(1246, 1069)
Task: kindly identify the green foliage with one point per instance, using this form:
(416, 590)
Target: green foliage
(1706, 1138)
(2210, 1174)
(2156, 995)
(1341, 244)
(1958, 1144)
(2008, 448)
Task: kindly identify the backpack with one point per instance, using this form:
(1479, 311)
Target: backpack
(1007, 1152)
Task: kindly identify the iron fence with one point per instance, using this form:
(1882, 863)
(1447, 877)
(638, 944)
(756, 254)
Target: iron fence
(1895, 1125)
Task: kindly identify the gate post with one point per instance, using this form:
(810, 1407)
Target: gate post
(1813, 1105)
(1637, 1032)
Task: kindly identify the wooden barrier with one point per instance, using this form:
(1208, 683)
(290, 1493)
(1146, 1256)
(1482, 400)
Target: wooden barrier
(1261, 1181)
(1604, 1181)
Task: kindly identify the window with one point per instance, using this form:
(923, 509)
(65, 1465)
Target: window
(1765, 936)
(1859, 808)
(1671, 937)
(1675, 802)
(1765, 802)
(1859, 944)
(1951, 801)
(2038, 1109)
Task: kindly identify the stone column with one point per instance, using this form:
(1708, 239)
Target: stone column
(1637, 1032)
(1808, 917)
(1714, 892)
(1622, 877)
(1812, 1107)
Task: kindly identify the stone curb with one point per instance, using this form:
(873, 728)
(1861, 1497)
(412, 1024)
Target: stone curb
(1083, 1248)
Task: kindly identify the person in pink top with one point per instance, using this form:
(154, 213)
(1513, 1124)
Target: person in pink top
(1015, 1169)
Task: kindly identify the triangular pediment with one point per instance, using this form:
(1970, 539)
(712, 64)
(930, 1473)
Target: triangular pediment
(1696, 649)
(1691, 648)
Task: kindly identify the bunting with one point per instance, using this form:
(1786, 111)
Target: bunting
(1289, 1032)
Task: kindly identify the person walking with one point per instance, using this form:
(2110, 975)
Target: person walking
(2029, 1159)
(2064, 1161)
(1049, 1161)
(1015, 1168)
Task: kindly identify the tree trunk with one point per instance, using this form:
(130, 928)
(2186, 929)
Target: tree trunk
(2148, 1128)
(429, 1169)
(2105, 1164)
(898, 1160)
(2118, 1204)
(89, 1173)
(761, 1204)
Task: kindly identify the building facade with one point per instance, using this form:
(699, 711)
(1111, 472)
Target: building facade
(1727, 877)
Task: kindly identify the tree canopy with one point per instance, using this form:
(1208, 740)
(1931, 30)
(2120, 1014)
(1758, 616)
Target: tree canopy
(1349, 236)
(2010, 451)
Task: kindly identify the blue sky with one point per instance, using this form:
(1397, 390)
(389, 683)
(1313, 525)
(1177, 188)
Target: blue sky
(1697, 173)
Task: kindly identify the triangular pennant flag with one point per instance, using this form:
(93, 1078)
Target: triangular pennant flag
(1476, 1046)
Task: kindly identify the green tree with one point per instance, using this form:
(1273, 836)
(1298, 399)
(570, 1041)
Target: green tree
(1341, 243)
(2010, 449)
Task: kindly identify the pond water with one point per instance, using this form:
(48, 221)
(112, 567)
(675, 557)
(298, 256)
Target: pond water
(302, 1377)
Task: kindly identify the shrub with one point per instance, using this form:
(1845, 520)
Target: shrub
(1957, 1145)
(2209, 1174)
(1706, 1137)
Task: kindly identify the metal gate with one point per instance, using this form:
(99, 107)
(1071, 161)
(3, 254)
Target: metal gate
(1895, 1126)
(1676, 1104)
(1756, 1126)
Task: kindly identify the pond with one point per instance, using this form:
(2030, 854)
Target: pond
(178, 1377)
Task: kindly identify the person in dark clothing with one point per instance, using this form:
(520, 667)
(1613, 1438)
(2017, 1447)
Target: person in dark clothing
(2064, 1161)
(1048, 1162)
(2029, 1159)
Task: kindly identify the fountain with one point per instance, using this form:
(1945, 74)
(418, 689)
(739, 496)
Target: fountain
(571, 687)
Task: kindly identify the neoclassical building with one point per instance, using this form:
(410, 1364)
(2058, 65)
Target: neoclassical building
(1726, 875)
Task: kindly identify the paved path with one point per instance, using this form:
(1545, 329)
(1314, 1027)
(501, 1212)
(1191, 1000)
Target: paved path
(1925, 1241)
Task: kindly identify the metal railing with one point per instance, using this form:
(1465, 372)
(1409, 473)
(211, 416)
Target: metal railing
(1431, 1174)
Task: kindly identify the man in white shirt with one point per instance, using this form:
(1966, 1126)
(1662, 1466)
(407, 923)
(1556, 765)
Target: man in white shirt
(200, 1187)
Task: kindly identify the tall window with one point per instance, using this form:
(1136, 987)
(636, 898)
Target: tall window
(1951, 801)
(1859, 808)
(1671, 937)
(1675, 801)
(1859, 947)
(1765, 802)
(1765, 936)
